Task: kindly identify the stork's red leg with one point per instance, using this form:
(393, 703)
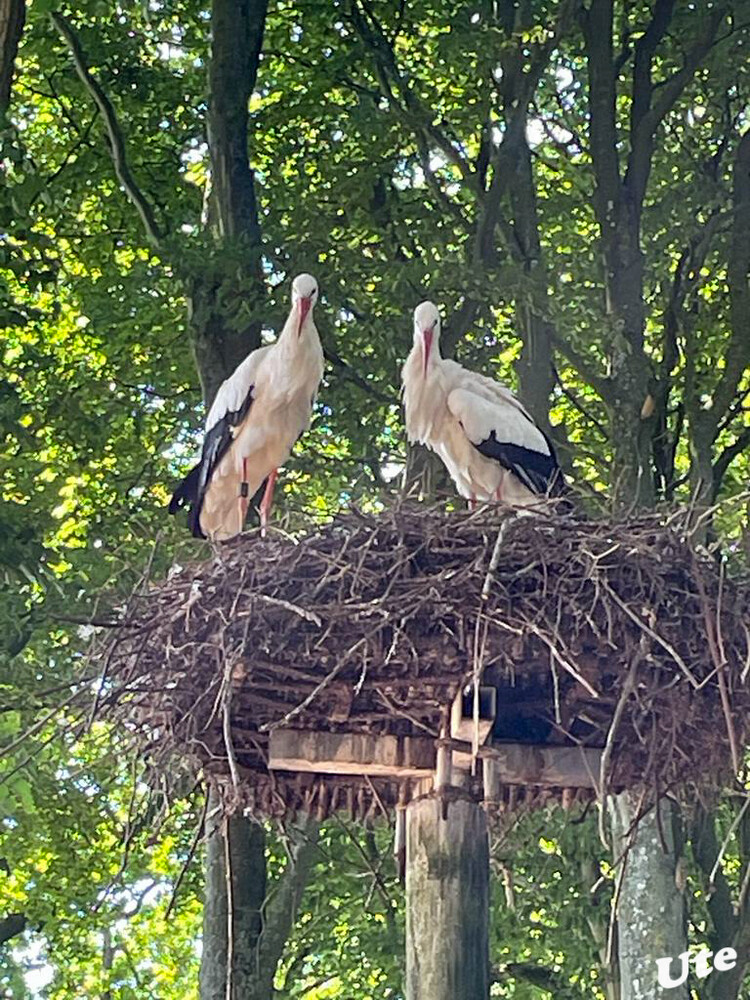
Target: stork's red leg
(265, 504)
(471, 504)
(244, 498)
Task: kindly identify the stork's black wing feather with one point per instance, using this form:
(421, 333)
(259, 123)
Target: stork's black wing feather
(216, 443)
(537, 471)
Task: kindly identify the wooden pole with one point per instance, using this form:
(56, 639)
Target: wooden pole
(447, 899)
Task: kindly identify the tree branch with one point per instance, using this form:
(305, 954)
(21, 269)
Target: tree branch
(601, 383)
(597, 29)
(457, 324)
(116, 140)
(645, 50)
(728, 455)
(719, 900)
(650, 107)
(354, 376)
(280, 910)
(521, 75)
(411, 110)
(578, 405)
(737, 357)
(537, 975)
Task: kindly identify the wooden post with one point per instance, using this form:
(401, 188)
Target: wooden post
(447, 900)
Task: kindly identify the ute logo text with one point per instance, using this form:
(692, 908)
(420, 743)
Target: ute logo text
(724, 960)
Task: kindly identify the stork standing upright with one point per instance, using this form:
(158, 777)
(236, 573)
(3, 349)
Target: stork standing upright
(257, 415)
(490, 445)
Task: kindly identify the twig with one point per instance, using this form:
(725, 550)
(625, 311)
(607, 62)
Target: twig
(226, 717)
(627, 689)
(189, 859)
(655, 636)
(117, 143)
(565, 664)
(725, 843)
(309, 616)
(719, 663)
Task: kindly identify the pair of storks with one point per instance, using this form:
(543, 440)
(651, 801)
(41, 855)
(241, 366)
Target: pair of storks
(491, 447)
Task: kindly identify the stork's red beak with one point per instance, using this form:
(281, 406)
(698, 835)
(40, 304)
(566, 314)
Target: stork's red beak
(304, 309)
(427, 339)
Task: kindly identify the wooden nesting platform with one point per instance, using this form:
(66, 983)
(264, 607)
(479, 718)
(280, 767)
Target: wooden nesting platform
(324, 673)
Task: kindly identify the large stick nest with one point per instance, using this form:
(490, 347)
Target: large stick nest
(612, 635)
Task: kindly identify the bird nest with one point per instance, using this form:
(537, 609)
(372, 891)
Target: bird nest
(612, 635)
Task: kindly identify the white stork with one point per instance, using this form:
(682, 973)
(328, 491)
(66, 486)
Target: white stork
(257, 415)
(491, 447)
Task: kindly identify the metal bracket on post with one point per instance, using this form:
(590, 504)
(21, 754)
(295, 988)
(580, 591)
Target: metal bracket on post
(473, 715)
(399, 839)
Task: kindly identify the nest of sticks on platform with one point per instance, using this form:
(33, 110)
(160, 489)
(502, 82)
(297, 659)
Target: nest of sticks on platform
(615, 635)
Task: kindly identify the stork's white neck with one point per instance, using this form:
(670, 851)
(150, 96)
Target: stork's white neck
(424, 393)
(292, 337)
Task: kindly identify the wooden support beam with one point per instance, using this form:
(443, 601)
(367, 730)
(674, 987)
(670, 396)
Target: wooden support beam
(351, 753)
(415, 757)
(447, 900)
(523, 764)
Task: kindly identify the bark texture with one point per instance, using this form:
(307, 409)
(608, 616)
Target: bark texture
(12, 18)
(651, 916)
(237, 28)
(245, 928)
(235, 889)
(447, 901)
(223, 329)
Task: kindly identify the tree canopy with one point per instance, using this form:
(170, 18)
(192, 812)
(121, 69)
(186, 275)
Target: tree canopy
(569, 181)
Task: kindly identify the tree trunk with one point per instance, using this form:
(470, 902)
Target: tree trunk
(12, 18)
(244, 930)
(651, 917)
(535, 366)
(650, 914)
(219, 342)
(235, 890)
(225, 292)
(447, 901)
(237, 28)
(246, 926)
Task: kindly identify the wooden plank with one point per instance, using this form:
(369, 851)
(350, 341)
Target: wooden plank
(351, 753)
(524, 764)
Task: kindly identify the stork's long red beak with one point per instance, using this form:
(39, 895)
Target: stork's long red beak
(427, 338)
(304, 309)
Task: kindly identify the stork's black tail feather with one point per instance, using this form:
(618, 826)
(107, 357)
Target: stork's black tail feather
(186, 495)
(186, 492)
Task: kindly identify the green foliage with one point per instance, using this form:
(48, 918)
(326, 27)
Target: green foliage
(379, 195)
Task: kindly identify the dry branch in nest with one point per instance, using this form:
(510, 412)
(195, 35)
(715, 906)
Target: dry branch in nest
(598, 634)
